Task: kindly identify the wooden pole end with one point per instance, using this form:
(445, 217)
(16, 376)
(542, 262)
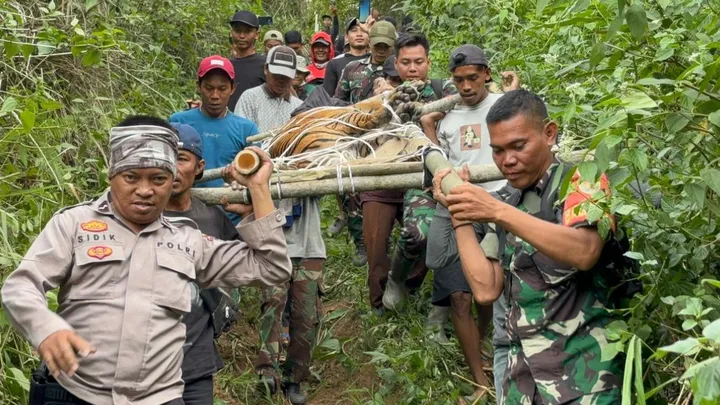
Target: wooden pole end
(247, 162)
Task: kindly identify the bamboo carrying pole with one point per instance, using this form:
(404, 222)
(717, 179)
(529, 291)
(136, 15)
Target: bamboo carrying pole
(434, 161)
(390, 176)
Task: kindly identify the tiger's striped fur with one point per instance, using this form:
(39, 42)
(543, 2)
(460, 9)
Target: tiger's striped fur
(322, 127)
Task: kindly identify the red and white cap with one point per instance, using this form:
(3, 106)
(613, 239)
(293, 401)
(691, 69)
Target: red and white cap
(216, 62)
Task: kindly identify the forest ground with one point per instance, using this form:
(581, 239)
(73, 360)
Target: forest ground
(355, 346)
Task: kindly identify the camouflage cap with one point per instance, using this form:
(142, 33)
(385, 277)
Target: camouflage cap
(142, 146)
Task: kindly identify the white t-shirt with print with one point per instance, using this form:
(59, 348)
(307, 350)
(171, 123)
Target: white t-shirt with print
(463, 135)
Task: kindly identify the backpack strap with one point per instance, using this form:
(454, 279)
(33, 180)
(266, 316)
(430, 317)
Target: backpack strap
(548, 209)
(437, 86)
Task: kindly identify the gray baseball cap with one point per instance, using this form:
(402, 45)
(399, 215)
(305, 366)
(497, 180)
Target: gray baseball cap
(282, 60)
(466, 55)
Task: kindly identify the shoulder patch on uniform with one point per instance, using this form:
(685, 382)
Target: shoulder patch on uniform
(61, 210)
(94, 226)
(180, 221)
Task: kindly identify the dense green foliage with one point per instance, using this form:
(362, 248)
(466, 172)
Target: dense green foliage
(636, 82)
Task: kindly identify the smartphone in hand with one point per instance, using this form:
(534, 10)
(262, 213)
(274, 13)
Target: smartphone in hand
(364, 11)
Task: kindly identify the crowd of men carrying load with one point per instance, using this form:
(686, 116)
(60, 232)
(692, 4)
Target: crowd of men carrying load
(140, 268)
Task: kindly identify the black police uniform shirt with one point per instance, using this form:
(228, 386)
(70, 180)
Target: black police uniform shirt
(201, 356)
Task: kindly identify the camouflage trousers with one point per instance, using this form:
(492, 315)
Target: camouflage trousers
(415, 214)
(302, 293)
(353, 212)
(520, 388)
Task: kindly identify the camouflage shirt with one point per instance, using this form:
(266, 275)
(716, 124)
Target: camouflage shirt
(556, 316)
(428, 92)
(356, 76)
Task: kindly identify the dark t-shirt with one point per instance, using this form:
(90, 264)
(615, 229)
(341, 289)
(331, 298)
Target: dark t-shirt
(201, 356)
(334, 70)
(249, 73)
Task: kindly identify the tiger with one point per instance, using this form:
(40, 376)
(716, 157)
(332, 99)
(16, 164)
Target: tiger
(322, 127)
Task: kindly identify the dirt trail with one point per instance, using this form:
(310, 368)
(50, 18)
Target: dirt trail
(340, 384)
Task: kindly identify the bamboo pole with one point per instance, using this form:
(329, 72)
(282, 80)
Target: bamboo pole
(316, 188)
(345, 171)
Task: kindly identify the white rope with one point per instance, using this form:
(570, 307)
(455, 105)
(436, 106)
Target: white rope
(339, 179)
(352, 182)
(346, 149)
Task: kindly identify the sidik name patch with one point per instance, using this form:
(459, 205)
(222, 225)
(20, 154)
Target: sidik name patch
(99, 252)
(94, 226)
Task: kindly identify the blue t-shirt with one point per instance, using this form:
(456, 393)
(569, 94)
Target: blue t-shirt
(222, 138)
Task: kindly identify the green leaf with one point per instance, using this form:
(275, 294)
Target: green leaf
(637, 100)
(696, 192)
(650, 81)
(693, 307)
(27, 50)
(588, 171)
(635, 156)
(712, 331)
(626, 209)
(676, 122)
(20, 378)
(664, 54)
(614, 26)
(634, 255)
(556, 179)
(27, 118)
(714, 283)
(687, 346)
(627, 377)
(639, 387)
(689, 324)
(92, 56)
(618, 117)
(89, 4)
(8, 105)
(339, 313)
(45, 48)
(715, 118)
(712, 179)
(502, 15)
(705, 381)
(663, 3)
(636, 20)
(597, 54)
(540, 6)
(602, 157)
(11, 48)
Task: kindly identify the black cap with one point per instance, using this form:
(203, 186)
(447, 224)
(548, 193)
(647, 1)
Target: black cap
(325, 16)
(320, 41)
(293, 37)
(245, 17)
(353, 22)
(466, 55)
(389, 67)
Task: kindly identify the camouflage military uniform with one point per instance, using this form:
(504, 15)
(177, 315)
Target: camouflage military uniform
(557, 315)
(409, 257)
(303, 292)
(356, 76)
(357, 79)
(418, 211)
